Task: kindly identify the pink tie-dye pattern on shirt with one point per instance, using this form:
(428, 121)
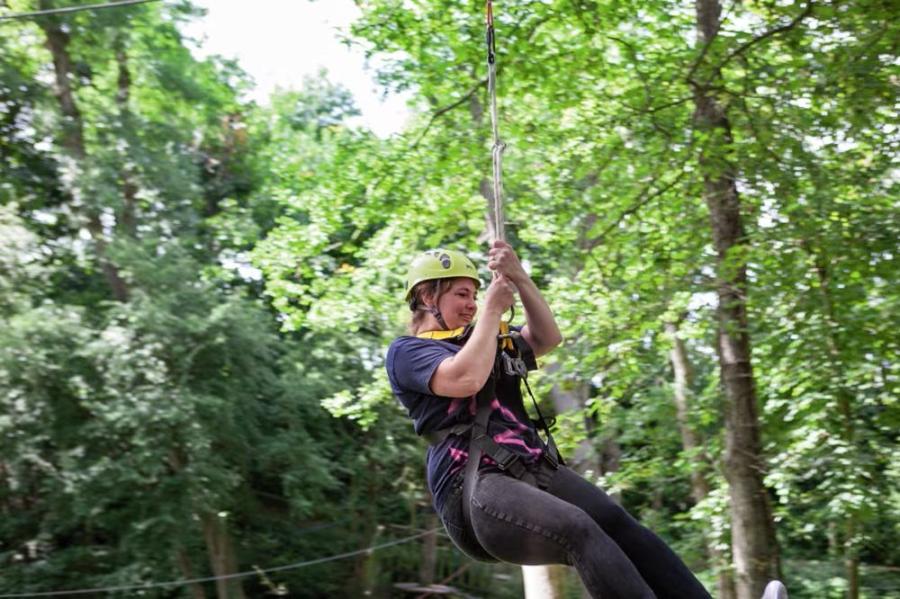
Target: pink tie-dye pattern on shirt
(507, 437)
(457, 402)
(461, 456)
(510, 436)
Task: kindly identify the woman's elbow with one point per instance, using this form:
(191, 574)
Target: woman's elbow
(467, 387)
(555, 341)
(547, 344)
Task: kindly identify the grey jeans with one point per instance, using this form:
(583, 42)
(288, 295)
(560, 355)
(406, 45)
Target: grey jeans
(571, 522)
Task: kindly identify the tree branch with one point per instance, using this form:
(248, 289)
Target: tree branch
(707, 44)
(531, 30)
(642, 200)
(441, 112)
(807, 11)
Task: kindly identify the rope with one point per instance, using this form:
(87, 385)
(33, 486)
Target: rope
(499, 146)
(171, 583)
(67, 9)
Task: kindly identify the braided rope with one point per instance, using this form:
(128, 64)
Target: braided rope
(499, 146)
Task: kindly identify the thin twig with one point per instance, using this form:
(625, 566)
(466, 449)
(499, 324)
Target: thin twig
(765, 35)
(644, 198)
(441, 112)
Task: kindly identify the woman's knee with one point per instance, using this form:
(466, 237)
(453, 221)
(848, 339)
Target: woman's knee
(580, 530)
(614, 519)
(611, 516)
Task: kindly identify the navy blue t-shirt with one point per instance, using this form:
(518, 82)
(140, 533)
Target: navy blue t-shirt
(410, 364)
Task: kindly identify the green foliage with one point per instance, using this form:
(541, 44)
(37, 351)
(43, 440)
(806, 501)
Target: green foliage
(263, 251)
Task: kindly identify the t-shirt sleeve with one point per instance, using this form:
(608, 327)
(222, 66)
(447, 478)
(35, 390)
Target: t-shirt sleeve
(413, 362)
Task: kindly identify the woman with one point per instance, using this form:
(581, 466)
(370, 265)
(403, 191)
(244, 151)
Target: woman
(549, 514)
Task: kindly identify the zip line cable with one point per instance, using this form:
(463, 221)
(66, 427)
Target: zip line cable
(68, 9)
(173, 583)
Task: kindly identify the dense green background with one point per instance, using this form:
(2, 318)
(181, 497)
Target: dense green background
(196, 292)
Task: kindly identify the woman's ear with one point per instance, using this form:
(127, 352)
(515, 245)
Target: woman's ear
(426, 296)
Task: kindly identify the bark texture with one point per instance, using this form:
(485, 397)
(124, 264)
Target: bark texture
(72, 140)
(128, 214)
(221, 556)
(186, 567)
(571, 399)
(428, 565)
(752, 528)
(541, 582)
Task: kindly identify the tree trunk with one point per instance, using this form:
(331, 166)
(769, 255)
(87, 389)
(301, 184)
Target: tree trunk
(367, 566)
(221, 556)
(187, 572)
(128, 214)
(428, 564)
(752, 528)
(57, 41)
(681, 366)
(543, 582)
(845, 424)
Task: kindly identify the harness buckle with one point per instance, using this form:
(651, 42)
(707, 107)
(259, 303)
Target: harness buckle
(514, 366)
(508, 461)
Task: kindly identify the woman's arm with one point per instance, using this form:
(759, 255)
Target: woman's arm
(540, 331)
(465, 373)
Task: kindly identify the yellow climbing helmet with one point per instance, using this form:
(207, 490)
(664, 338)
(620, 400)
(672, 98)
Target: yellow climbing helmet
(439, 264)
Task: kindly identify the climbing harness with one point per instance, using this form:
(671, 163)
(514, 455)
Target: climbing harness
(499, 146)
(514, 358)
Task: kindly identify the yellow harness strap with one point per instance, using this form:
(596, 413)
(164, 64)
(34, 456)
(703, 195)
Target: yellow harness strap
(441, 335)
(505, 341)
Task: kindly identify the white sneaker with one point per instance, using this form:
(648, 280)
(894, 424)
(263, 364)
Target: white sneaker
(775, 590)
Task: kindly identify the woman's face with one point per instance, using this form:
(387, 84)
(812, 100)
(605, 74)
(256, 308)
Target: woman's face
(458, 306)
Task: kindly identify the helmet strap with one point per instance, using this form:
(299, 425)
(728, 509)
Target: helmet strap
(433, 311)
(437, 315)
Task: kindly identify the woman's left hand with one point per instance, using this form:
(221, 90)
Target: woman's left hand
(503, 260)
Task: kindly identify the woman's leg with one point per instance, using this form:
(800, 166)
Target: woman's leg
(518, 523)
(659, 566)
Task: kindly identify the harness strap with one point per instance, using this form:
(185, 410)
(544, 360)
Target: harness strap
(480, 442)
(438, 437)
(483, 400)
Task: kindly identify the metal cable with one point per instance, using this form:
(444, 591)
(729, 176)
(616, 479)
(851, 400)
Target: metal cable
(68, 9)
(173, 583)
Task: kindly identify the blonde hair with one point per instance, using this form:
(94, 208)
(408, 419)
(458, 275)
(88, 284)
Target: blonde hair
(434, 288)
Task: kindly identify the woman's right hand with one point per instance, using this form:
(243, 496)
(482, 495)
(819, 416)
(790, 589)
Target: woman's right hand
(500, 295)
